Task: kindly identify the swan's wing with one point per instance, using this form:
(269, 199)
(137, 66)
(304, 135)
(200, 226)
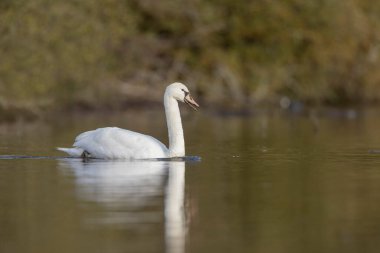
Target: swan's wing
(116, 143)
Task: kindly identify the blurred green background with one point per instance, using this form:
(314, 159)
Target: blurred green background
(114, 54)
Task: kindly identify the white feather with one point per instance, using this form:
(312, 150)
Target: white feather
(74, 152)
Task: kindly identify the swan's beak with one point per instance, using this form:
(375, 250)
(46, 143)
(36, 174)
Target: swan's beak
(190, 101)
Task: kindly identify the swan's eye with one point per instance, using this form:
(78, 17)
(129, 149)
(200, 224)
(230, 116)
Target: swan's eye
(186, 92)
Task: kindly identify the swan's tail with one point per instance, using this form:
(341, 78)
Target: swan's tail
(74, 152)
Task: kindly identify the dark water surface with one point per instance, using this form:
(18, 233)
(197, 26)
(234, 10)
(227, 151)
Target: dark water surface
(266, 183)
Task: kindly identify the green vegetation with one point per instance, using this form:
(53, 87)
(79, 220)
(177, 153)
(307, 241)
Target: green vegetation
(57, 53)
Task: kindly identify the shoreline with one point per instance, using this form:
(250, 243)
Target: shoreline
(24, 114)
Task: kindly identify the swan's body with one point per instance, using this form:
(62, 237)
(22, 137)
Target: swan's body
(117, 143)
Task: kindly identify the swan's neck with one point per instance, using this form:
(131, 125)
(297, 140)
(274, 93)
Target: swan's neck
(173, 120)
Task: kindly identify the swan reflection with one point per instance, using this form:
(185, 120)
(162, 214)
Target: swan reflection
(174, 208)
(131, 194)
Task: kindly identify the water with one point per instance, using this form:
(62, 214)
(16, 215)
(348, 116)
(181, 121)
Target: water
(266, 183)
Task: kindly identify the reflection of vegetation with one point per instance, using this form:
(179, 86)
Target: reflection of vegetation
(56, 52)
(272, 184)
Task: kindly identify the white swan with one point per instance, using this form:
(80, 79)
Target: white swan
(117, 143)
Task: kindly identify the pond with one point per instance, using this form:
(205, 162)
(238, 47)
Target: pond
(268, 182)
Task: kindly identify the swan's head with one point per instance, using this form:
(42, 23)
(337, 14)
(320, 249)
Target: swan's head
(180, 92)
